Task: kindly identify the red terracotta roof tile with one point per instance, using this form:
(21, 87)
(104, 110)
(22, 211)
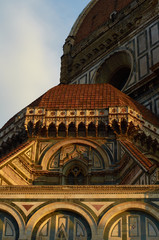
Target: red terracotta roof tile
(90, 96)
(15, 151)
(139, 156)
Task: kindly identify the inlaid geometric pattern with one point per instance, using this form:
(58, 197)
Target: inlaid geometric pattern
(143, 66)
(98, 207)
(43, 146)
(142, 42)
(27, 207)
(154, 34)
(28, 153)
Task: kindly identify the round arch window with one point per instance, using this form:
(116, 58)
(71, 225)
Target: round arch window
(115, 70)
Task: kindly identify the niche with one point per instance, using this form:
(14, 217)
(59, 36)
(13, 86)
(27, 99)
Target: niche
(115, 70)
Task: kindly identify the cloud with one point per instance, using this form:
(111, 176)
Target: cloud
(32, 35)
(28, 63)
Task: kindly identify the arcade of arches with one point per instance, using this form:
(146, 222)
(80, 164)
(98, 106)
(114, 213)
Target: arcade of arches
(81, 219)
(81, 162)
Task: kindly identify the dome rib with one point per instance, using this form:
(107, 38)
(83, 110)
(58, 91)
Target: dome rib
(95, 15)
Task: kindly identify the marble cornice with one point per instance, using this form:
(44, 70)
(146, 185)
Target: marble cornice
(86, 189)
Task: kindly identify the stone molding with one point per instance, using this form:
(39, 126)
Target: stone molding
(87, 189)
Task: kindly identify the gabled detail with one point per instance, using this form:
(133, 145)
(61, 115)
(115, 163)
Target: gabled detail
(138, 156)
(98, 207)
(17, 151)
(28, 153)
(28, 207)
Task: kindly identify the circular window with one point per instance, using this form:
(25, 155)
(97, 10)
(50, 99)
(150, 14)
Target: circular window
(115, 70)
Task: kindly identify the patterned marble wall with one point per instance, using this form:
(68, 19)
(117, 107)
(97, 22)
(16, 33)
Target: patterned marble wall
(144, 50)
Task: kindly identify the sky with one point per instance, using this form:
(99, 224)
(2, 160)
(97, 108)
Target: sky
(32, 36)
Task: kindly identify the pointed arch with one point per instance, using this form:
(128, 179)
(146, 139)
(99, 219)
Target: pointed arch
(30, 128)
(81, 130)
(43, 132)
(62, 130)
(101, 130)
(92, 130)
(37, 128)
(71, 130)
(124, 125)
(52, 130)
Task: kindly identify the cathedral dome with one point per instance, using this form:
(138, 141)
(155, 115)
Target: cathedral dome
(84, 97)
(97, 13)
(89, 96)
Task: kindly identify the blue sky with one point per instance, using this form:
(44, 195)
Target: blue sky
(32, 35)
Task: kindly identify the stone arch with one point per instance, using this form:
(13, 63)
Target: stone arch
(16, 216)
(101, 129)
(52, 150)
(91, 130)
(51, 208)
(82, 130)
(78, 169)
(37, 128)
(62, 130)
(126, 206)
(116, 69)
(52, 130)
(71, 130)
(30, 128)
(43, 131)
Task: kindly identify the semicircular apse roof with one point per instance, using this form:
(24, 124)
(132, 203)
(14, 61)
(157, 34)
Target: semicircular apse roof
(89, 96)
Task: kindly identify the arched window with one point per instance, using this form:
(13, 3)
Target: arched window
(91, 130)
(75, 176)
(101, 130)
(30, 128)
(37, 128)
(52, 130)
(71, 130)
(62, 130)
(124, 125)
(81, 130)
(43, 132)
